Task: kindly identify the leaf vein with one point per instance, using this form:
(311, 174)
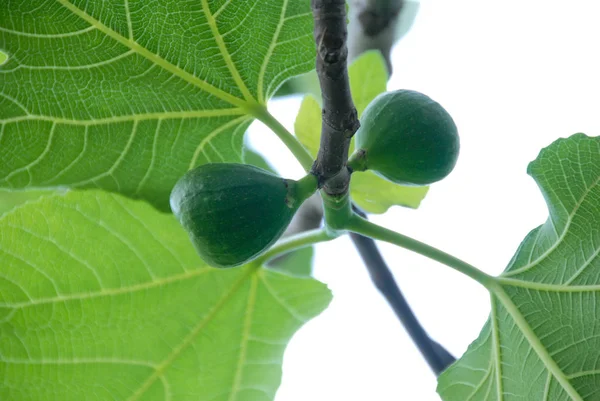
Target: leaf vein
(537, 345)
(281, 301)
(128, 17)
(73, 162)
(107, 292)
(16, 102)
(272, 45)
(582, 269)
(47, 35)
(149, 232)
(175, 70)
(78, 361)
(83, 263)
(152, 158)
(70, 67)
(116, 163)
(134, 117)
(192, 335)
(35, 161)
(225, 53)
(212, 134)
(239, 370)
(496, 354)
(559, 239)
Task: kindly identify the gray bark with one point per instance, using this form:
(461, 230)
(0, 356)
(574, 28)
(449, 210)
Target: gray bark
(339, 117)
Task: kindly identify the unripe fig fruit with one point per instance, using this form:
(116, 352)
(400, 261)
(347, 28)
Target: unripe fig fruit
(234, 212)
(407, 138)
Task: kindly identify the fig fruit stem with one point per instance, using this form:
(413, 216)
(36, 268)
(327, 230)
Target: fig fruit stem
(306, 187)
(358, 161)
(294, 242)
(364, 227)
(289, 140)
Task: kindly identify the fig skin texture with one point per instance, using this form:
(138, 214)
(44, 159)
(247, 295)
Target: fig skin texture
(407, 138)
(234, 212)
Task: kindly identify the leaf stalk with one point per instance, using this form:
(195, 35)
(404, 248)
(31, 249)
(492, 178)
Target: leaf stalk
(294, 242)
(364, 227)
(289, 140)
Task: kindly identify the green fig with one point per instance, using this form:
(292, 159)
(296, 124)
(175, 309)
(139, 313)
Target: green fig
(407, 138)
(234, 212)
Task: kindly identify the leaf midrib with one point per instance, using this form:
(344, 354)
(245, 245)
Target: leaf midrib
(496, 349)
(166, 115)
(161, 367)
(250, 308)
(225, 54)
(535, 343)
(546, 287)
(166, 65)
(559, 240)
(109, 292)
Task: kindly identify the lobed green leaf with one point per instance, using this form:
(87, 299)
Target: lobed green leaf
(542, 340)
(128, 95)
(103, 297)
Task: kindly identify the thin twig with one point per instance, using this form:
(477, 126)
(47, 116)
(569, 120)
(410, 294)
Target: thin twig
(436, 356)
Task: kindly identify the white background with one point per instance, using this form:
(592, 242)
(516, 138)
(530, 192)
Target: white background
(515, 76)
